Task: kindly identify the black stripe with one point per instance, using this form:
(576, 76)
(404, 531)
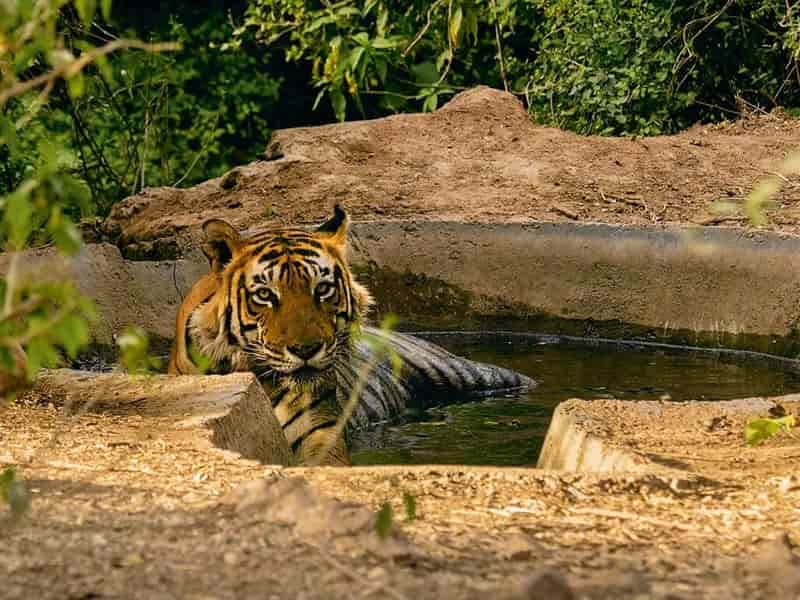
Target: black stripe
(271, 255)
(276, 399)
(235, 337)
(228, 318)
(304, 252)
(304, 410)
(300, 440)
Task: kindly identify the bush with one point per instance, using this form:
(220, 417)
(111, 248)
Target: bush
(173, 119)
(608, 67)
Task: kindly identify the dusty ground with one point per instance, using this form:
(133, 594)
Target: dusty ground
(121, 509)
(479, 158)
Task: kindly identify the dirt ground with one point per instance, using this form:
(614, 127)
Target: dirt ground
(479, 158)
(120, 510)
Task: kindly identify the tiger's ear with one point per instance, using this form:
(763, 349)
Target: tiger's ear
(335, 228)
(222, 242)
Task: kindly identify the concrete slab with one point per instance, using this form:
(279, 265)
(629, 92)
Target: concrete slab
(229, 412)
(653, 436)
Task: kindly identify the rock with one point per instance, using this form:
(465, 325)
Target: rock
(546, 585)
(231, 412)
(788, 484)
(778, 561)
(615, 584)
(230, 180)
(296, 503)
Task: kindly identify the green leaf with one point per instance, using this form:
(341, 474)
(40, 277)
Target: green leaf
(368, 6)
(7, 477)
(72, 333)
(318, 98)
(410, 504)
(355, 57)
(430, 103)
(76, 85)
(61, 57)
(320, 22)
(40, 353)
(18, 498)
(134, 346)
(66, 237)
(18, 215)
(425, 73)
(383, 521)
(455, 26)
(361, 38)
(383, 18)
(339, 104)
(760, 430)
(200, 360)
(105, 8)
(104, 66)
(8, 134)
(86, 10)
(382, 43)
(14, 492)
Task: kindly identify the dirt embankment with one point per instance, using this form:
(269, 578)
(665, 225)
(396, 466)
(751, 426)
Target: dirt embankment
(478, 158)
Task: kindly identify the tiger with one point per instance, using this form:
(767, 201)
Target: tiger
(284, 304)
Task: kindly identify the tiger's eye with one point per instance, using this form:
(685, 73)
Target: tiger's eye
(265, 296)
(324, 289)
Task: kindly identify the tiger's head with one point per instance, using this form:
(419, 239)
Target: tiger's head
(283, 302)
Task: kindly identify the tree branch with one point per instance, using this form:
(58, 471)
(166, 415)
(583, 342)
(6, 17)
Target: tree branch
(76, 66)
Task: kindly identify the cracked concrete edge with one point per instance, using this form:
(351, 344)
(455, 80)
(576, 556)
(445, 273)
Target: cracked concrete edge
(575, 442)
(582, 438)
(227, 412)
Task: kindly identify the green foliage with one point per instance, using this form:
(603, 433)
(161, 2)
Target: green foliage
(134, 347)
(757, 431)
(640, 67)
(172, 119)
(42, 315)
(606, 67)
(384, 520)
(410, 504)
(375, 56)
(202, 362)
(14, 492)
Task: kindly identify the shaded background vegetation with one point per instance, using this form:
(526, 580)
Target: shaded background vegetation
(593, 66)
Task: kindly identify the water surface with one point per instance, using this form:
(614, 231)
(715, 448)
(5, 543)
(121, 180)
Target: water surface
(510, 431)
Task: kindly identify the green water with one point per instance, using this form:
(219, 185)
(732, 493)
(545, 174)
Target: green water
(510, 431)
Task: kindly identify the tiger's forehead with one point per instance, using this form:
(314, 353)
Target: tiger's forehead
(289, 254)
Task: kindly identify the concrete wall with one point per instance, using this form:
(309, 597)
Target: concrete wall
(710, 280)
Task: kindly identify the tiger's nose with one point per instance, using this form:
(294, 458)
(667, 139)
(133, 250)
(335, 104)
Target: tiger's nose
(305, 351)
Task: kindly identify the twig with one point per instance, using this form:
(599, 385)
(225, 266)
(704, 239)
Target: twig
(352, 402)
(422, 31)
(26, 307)
(11, 284)
(353, 574)
(499, 47)
(199, 152)
(716, 220)
(450, 50)
(36, 106)
(626, 516)
(68, 70)
(564, 211)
